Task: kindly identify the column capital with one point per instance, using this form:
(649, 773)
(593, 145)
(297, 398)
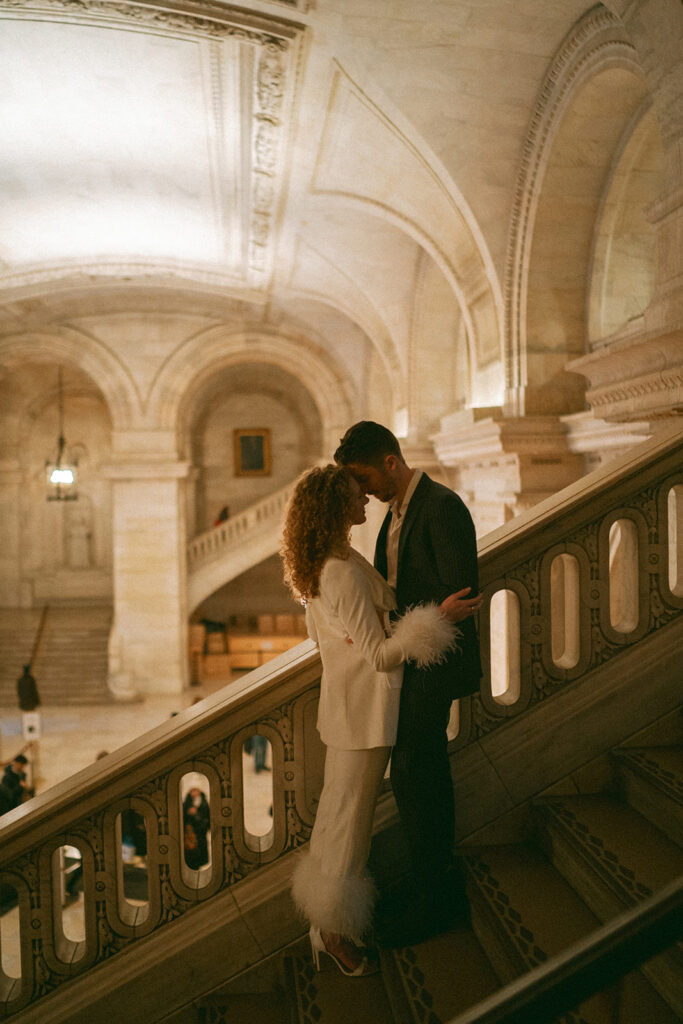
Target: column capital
(503, 465)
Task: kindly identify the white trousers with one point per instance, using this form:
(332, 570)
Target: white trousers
(330, 885)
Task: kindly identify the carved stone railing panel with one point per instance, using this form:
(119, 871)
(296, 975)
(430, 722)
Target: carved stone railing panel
(150, 785)
(279, 701)
(518, 558)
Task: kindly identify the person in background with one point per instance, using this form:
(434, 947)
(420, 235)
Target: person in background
(196, 824)
(259, 748)
(14, 780)
(27, 691)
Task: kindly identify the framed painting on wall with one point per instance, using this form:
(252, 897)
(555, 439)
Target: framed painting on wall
(252, 452)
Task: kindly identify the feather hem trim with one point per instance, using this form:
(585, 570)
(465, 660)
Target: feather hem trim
(340, 905)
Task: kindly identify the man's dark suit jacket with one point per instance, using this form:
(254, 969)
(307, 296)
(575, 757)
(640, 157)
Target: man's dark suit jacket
(437, 555)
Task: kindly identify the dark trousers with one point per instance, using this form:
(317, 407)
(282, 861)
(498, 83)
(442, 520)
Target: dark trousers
(421, 780)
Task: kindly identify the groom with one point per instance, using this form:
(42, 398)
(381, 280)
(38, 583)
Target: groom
(426, 549)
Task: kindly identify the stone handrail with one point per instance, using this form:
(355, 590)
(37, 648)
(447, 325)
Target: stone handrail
(590, 965)
(279, 700)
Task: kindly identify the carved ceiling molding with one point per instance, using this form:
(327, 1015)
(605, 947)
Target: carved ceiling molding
(204, 19)
(77, 273)
(596, 42)
(270, 79)
(269, 58)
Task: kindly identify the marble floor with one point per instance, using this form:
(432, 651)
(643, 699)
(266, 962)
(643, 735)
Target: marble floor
(71, 738)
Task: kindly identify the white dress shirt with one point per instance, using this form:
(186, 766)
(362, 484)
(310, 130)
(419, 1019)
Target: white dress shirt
(394, 531)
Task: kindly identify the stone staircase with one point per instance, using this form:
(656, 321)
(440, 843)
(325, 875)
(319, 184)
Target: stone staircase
(71, 664)
(567, 783)
(585, 858)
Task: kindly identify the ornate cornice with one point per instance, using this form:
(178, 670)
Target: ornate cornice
(634, 378)
(205, 19)
(263, 45)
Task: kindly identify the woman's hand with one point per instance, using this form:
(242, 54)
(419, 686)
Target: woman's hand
(458, 606)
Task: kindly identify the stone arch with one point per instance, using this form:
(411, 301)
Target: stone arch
(596, 46)
(623, 258)
(326, 283)
(67, 345)
(441, 221)
(171, 396)
(476, 296)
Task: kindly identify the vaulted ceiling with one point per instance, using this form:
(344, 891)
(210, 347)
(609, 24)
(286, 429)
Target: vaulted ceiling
(317, 161)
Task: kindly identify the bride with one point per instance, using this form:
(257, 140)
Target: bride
(348, 605)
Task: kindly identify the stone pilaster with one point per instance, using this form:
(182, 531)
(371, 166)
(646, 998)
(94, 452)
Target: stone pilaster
(501, 467)
(148, 647)
(10, 514)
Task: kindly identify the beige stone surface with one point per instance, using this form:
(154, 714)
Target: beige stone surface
(304, 214)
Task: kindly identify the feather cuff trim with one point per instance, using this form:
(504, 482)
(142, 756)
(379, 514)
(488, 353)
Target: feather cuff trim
(425, 635)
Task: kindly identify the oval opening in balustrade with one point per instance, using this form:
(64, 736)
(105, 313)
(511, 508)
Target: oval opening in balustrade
(67, 874)
(675, 515)
(453, 727)
(564, 611)
(132, 852)
(257, 760)
(10, 932)
(623, 575)
(196, 818)
(505, 647)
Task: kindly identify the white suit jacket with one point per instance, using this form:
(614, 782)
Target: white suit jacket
(361, 682)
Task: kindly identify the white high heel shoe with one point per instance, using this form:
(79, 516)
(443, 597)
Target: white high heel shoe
(318, 947)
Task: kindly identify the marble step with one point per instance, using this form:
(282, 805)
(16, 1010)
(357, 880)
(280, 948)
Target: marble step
(256, 1007)
(438, 979)
(524, 911)
(72, 661)
(286, 988)
(651, 781)
(328, 997)
(614, 857)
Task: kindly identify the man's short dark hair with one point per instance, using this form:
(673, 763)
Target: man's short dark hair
(20, 759)
(367, 443)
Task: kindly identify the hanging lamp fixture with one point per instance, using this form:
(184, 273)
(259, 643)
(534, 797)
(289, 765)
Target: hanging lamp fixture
(61, 474)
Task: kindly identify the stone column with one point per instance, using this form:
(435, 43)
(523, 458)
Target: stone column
(148, 647)
(10, 515)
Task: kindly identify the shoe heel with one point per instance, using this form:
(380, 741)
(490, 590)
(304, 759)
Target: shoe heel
(317, 946)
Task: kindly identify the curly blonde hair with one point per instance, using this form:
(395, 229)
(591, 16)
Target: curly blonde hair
(317, 525)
